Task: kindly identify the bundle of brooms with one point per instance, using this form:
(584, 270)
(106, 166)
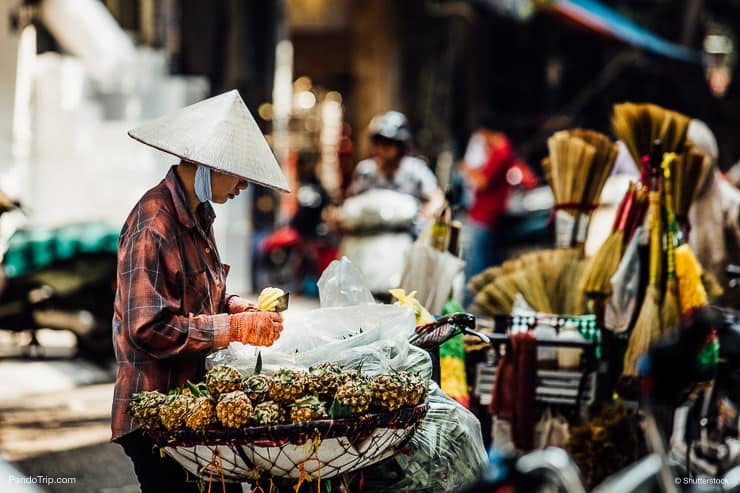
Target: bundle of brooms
(637, 125)
(576, 169)
(578, 165)
(545, 279)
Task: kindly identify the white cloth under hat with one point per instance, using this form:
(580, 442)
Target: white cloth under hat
(218, 132)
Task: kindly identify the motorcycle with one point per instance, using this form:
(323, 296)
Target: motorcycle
(62, 279)
(379, 225)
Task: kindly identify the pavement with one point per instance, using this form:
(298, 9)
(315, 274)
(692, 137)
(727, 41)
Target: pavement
(55, 420)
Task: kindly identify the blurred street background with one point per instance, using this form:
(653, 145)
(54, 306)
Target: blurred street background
(76, 75)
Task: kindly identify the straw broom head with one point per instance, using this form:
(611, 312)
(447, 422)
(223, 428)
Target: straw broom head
(638, 125)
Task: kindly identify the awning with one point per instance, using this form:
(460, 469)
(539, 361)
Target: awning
(600, 18)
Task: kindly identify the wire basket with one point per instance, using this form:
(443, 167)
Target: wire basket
(316, 449)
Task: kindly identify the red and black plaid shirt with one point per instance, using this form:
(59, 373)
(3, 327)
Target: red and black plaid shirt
(170, 305)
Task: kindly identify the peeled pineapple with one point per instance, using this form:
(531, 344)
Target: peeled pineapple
(172, 412)
(267, 413)
(268, 299)
(144, 406)
(223, 379)
(307, 409)
(388, 392)
(234, 409)
(287, 386)
(257, 388)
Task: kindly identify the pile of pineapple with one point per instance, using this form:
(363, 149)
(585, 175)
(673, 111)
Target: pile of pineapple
(226, 399)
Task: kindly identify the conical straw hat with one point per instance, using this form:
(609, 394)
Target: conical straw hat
(218, 132)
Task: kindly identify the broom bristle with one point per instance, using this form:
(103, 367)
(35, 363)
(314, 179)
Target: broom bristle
(602, 266)
(670, 314)
(645, 332)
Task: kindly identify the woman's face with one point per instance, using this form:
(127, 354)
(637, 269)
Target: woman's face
(225, 187)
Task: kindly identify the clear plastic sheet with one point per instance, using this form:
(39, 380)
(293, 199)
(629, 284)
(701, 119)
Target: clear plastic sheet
(445, 454)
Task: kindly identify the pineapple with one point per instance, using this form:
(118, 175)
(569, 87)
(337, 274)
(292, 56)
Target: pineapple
(144, 406)
(172, 412)
(234, 409)
(223, 379)
(307, 409)
(287, 386)
(416, 389)
(201, 413)
(257, 388)
(355, 395)
(267, 413)
(324, 379)
(389, 393)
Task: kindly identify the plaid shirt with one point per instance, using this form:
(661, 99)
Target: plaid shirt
(170, 305)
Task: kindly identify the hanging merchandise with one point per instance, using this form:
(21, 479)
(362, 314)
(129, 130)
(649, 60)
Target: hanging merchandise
(647, 328)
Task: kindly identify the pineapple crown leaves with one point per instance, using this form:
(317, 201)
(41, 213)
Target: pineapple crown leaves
(258, 365)
(337, 410)
(198, 390)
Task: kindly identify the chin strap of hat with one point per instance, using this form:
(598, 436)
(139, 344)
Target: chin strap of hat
(203, 183)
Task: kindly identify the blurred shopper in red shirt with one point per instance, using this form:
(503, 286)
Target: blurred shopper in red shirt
(491, 168)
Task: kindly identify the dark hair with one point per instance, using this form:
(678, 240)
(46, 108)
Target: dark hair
(379, 139)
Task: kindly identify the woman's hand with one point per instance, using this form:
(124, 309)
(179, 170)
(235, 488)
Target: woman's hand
(237, 304)
(256, 328)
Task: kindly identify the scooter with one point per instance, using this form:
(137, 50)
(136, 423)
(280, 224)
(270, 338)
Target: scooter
(379, 226)
(61, 278)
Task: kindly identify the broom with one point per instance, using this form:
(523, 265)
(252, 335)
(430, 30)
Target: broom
(571, 160)
(670, 315)
(602, 266)
(647, 326)
(687, 174)
(638, 125)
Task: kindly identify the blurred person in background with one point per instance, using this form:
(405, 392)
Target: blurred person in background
(491, 169)
(171, 306)
(714, 217)
(392, 167)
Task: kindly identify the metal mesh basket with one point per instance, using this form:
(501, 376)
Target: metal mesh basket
(314, 449)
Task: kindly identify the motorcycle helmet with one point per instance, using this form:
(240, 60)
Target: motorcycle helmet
(391, 125)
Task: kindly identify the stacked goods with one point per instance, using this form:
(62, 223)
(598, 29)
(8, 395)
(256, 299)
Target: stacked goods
(545, 279)
(224, 401)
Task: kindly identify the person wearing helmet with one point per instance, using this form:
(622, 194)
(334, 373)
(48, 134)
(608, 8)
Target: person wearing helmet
(391, 167)
(171, 307)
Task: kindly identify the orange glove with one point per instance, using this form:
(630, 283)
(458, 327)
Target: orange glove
(256, 328)
(237, 304)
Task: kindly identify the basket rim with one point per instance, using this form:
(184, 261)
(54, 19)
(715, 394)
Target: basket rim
(354, 428)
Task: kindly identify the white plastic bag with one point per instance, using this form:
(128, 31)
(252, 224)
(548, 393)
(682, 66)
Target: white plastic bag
(342, 284)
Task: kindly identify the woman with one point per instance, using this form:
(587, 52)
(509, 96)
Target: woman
(171, 307)
(390, 166)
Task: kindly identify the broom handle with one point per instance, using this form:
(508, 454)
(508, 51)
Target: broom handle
(671, 225)
(622, 209)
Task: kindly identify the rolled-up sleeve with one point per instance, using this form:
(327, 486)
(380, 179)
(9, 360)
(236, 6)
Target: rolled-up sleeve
(150, 283)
